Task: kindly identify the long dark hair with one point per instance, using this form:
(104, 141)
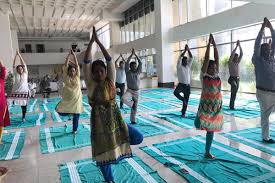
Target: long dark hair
(70, 67)
(23, 67)
(98, 63)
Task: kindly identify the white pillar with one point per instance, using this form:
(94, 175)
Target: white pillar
(115, 33)
(164, 51)
(6, 50)
(14, 40)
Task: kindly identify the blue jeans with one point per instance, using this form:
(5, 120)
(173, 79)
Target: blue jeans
(135, 138)
(75, 119)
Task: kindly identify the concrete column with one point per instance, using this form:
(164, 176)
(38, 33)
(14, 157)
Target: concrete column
(115, 33)
(6, 49)
(14, 40)
(164, 51)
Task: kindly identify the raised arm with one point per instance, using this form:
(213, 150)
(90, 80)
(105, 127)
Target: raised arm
(111, 71)
(139, 69)
(189, 52)
(216, 53)
(67, 60)
(127, 64)
(206, 57)
(87, 66)
(241, 53)
(233, 52)
(14, 60)
(269, 25)
(23, 63)
(116, 62)
(76, 63)
(257, 46)
(179, 62)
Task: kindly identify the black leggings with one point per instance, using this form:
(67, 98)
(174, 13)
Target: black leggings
(24, 110)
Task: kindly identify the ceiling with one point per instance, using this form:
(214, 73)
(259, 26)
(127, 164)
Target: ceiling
(55, 18)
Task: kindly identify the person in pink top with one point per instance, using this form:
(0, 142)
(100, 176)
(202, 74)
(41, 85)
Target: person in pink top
(4, 113)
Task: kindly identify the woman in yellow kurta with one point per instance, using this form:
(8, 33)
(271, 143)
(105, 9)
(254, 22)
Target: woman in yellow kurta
(71, 102)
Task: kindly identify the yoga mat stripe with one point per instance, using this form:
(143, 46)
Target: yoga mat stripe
(180, 164)
(73, 172)
(267, 167)
(49, 140)
(156, 125)
(13, 146)
(33, 105)
(252, 137)
(251, 141)
(38, 121)
(140, 170)
(147, 177)
(61, 138)
(199, 169)
(59, 120)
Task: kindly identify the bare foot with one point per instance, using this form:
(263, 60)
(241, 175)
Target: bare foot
(3, 172)
(209, 156)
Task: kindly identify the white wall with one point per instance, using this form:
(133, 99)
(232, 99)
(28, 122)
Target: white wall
(14, 39)
(233, 18)
(44, 58)
(6, 51)
(53, 45)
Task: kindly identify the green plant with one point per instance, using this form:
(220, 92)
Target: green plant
(9, 83)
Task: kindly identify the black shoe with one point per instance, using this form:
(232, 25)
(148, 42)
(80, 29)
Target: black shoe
(232, 108)
(133, 122)
(270, 141)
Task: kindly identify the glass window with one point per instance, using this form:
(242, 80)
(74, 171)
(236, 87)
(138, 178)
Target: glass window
(196, 9)
(246, 33)
(127, 34)
(238, 3)
(182, 44)
(136, 29)
(247, 74)
(224, 54)
(216, 6)
(142, 26)
(224, 37)
(131, 31)
(197, 42)
(176, 16)
(122, 29)
(152, 22)
(198, 57)
(183, 11)
(147, 24)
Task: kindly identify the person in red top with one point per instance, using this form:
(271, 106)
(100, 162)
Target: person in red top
(4, 113)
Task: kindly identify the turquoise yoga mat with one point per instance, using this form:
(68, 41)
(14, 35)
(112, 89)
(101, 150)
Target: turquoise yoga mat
(12, 146)
(131, 170)
(253, 138)
(186, 158)
(176, 118)
(31, 107)
(34, 119)
(56, 139)
(242, 112)
(156, 105)
(149, 127)
(58, 118)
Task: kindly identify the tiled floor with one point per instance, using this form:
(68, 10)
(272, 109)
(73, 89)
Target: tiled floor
(34, 167)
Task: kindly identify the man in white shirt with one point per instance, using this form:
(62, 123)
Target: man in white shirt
(184, 76)
(120, 77)
(32, 88)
